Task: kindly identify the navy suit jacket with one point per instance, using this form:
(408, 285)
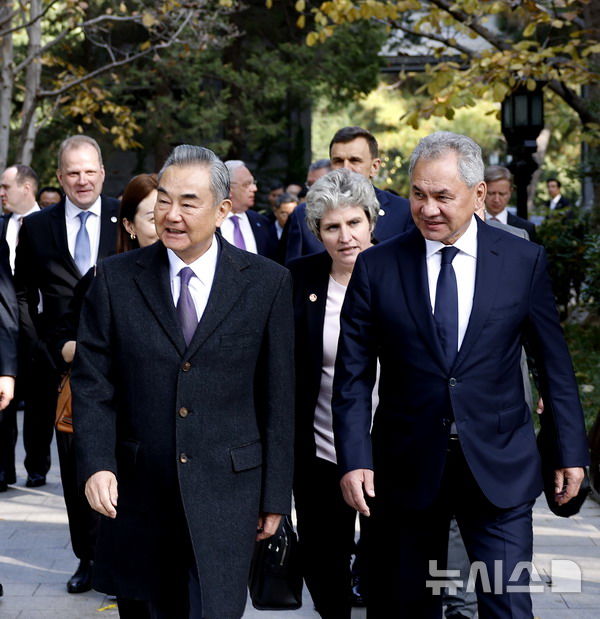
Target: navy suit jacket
(264, 234)
(394, 218)
(387, 314)
(524, 224)
(9, 315)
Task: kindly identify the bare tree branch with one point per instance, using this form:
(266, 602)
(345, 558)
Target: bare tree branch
(118, 63)
(473, 24)
(67, 31)
(32, 21)
(439, 39)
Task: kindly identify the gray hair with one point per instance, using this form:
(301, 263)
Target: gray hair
(495, 173)
(233, 165)
(434, 146)
(338, 189)
(187, 154)
(75, 141)
(319, 164)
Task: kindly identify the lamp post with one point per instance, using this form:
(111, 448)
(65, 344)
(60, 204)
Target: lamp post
(522, 122)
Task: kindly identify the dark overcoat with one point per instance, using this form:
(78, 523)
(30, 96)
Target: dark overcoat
(198, 437)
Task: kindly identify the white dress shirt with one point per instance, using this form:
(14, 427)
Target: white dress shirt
(199, 286)
(465, 265)
(502, 216)
(555, 201)
(323, 420)
(245, 227)
(92, 226)
(12, 232)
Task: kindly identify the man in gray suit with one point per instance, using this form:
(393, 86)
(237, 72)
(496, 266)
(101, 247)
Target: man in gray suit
(183, 399)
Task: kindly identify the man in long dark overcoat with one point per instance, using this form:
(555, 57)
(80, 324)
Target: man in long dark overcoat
(183, 404)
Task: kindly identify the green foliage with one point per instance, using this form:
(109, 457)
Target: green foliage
(584, 346)
(591, 291)
(563, 235)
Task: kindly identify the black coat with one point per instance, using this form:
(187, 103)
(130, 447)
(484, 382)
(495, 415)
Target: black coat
(310, 276)
(44, 267)
(9, 317)
(198, 437)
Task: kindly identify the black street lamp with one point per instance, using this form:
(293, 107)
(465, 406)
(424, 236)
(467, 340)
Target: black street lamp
(522, 122)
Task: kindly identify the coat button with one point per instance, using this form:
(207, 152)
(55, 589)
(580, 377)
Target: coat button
(186, 366)
(183, 458)
(452, 382)
(183, 412)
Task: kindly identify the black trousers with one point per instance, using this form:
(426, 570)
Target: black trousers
(8, 441)
(39, 394)
(326, 527)
(183, 603)
(83, 520)
(404, 542)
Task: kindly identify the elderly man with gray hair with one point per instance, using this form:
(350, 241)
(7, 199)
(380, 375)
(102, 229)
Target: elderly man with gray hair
(444, 308)
(183, 401)
(243, 227)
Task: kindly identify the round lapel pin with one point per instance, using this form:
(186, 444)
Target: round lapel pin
(381, 212)
(312, 297)
(113, 219)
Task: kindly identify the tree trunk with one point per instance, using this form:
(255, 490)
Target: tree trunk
(592, 165)
(32, 83)
(6, 86)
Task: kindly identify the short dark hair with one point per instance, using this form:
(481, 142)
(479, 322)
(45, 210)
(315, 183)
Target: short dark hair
(57, 190)
(138, 188)
(319, 164)
(555, 180)
(284, 198)
(24, 174)
(347, 134)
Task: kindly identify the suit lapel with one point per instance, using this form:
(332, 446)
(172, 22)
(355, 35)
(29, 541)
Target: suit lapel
(154, 285)
(59, 232)
(413, 275)
(228, 285)
(315, 315)
(108, 223)
(489, 263)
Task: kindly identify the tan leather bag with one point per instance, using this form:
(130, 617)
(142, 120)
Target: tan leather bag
(64, 418)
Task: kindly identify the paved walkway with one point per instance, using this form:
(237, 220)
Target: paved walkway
(36, 561)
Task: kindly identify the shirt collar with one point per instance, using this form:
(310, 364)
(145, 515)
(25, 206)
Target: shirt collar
(241, 215)
(72, 211)
(33, 209)
(466, 243)
(203, 267)
(502, 216)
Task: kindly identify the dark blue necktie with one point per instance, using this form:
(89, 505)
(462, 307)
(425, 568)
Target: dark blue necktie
(186, 310)
(446, 306)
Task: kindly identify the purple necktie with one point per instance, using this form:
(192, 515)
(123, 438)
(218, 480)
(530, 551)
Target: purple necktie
(186, 310)
(238, 239)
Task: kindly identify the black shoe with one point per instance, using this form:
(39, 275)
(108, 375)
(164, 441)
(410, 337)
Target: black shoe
(81, 581)
(3, 486)
(35, 481)
(1, 591)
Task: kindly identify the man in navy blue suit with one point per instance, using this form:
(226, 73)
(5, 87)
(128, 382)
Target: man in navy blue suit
(245, 228)
(356, 149)
(445, 309)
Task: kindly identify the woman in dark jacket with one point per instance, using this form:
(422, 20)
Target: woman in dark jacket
(341, 210)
